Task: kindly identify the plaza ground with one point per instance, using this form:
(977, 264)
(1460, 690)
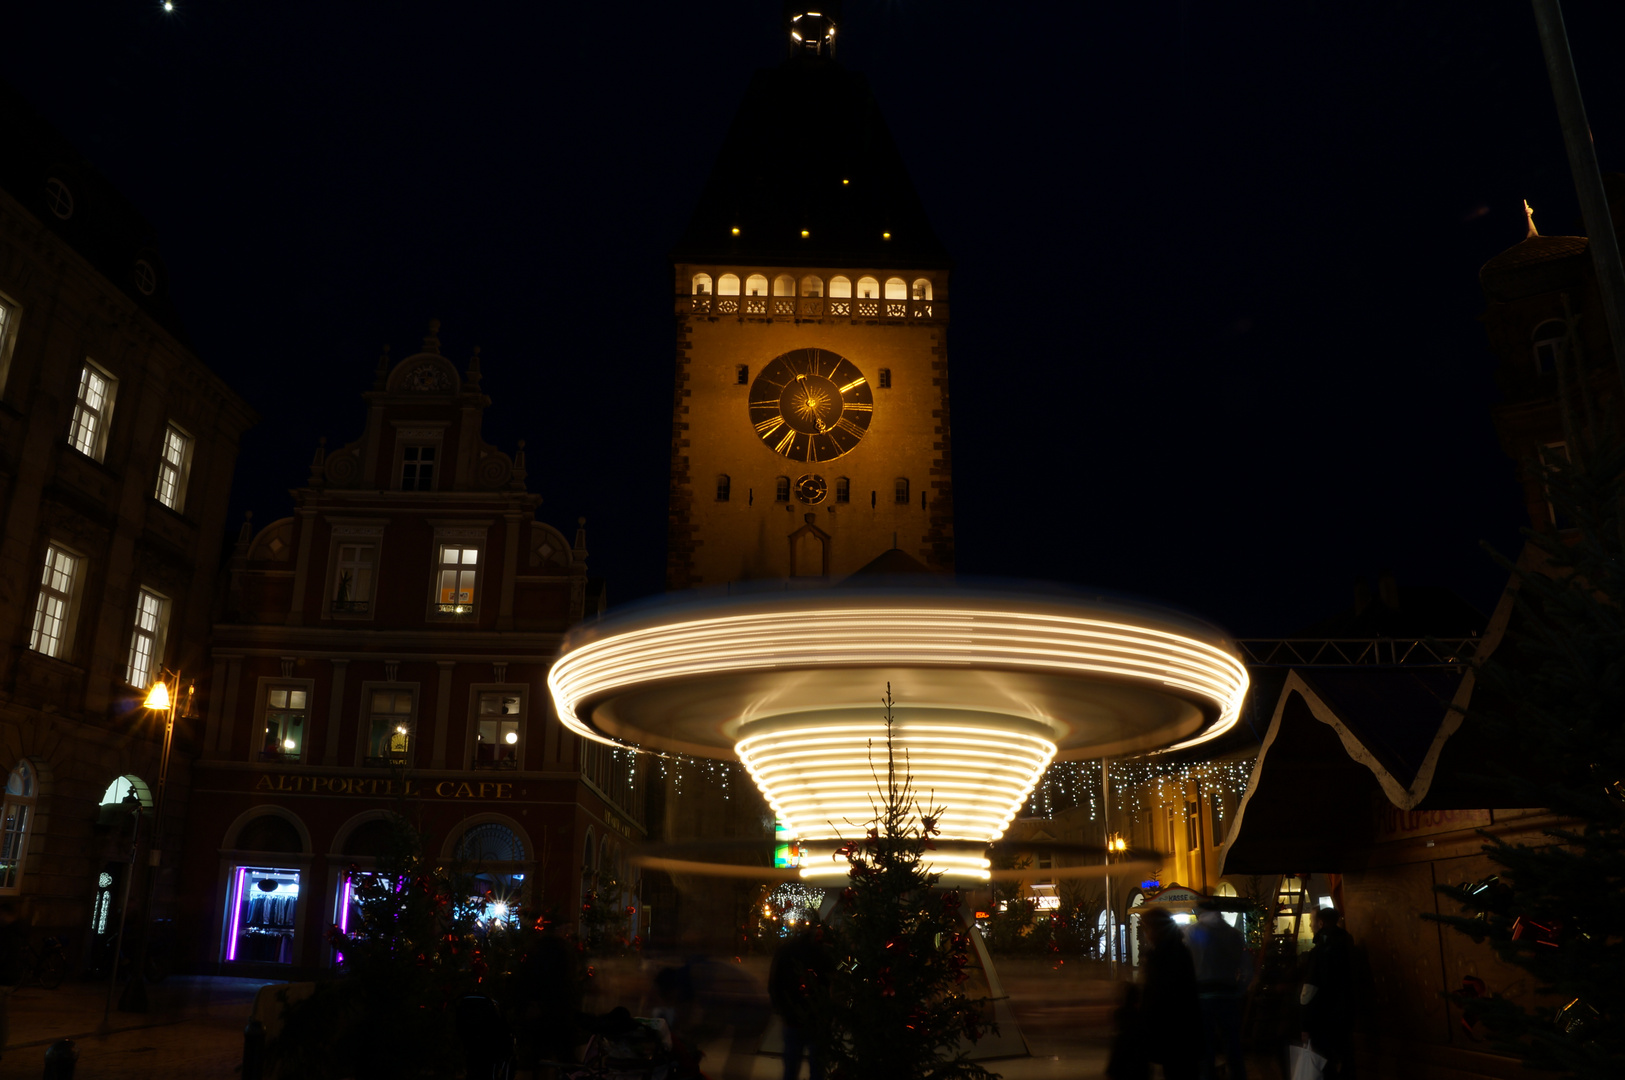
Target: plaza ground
(195, 1029)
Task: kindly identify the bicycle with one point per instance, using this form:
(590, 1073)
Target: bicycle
(46, 965)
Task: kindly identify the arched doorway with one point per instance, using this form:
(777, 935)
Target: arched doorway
(264, 889)
(495, 855)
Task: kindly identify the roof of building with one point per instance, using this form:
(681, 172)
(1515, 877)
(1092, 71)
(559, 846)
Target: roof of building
(894, 566)
(98, 222)
(809, 176)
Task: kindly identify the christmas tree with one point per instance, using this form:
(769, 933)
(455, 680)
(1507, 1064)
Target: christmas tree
(896, 1008)
(1552, 701)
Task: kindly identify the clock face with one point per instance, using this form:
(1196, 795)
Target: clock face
(811, 489)
(811, 405)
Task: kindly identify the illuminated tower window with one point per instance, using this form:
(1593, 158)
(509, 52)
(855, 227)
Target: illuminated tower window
(702, 284)
(742, 375)
(922, 289)
(812, 286)
(1549, 338)
(728, 285)
(784, 285)
(883, 378)
(840, 287)
(901, 491)
(843, 489)
(756, 285)
(781, 489)
(868, 288)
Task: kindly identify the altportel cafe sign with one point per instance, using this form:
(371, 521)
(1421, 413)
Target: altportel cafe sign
(383, 787)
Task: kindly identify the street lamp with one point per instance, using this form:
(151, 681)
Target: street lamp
(160, 699)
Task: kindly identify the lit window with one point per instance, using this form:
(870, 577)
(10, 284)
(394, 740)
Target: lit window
(868, 288)
(784, 285)
(174, 463)
(15, 819)
(496, 738)
(883, 378)
(1549, 337)
(812, 286)
(285, 711)
(147, 638)
(55, 603)
(843, 489)
(840, 287)
(922, 289)
(742, 375)
(781, 489)
(723, 486)
(756, 285)
(459, 576)
(702, 284)
(896, 289)
(728, 285)
(417, 468)
(901, 491)
(389, 733)
(352, 588)
(88, 433)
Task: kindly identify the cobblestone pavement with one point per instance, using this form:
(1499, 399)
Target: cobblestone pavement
(193, 1028)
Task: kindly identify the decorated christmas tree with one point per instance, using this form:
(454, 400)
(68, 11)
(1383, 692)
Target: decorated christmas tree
(896, 1006)
(1551, 701)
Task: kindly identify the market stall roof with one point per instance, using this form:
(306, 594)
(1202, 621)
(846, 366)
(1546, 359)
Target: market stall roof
(1344, 742)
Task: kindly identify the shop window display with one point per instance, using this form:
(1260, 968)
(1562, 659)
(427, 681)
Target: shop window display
(265, 902)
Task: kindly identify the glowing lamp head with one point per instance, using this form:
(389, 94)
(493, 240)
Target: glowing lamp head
(158, 696)
(511, 738)
(812, 32)
(287, 744)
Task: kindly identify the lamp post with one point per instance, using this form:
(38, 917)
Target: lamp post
(160, 699)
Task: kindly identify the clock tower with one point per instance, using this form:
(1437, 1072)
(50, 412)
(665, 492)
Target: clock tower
(810, 429)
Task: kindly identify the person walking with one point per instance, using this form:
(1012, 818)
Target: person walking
(1171, 1014)
(1218, 951)
(1326, 995)
(797, 984)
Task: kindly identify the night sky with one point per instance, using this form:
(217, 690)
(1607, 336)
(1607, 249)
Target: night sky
(1214, 336)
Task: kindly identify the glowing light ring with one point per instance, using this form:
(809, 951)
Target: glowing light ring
(943, 637)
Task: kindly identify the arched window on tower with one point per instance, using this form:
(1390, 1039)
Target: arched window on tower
(843, 489)
(781, 489)
(896, 289)
(728, 285)
(756, 285)
(840, 287)
(901, 491)
(702, 284)
(1549, 337)
(784, 285)
(922, 289)
(812, 285)
(723, 485)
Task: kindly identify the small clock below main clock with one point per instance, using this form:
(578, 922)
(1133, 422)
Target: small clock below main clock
(811, 489)
(811, 405)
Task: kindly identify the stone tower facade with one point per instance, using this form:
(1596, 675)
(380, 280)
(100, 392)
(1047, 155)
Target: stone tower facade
(810, 427)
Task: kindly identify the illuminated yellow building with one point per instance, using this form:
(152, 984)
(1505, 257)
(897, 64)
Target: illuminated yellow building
(810, 418)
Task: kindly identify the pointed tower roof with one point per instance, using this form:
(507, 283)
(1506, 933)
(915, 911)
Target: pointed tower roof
(1534, 265)
(809, 175)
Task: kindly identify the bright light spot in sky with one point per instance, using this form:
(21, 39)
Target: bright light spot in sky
(169, 5)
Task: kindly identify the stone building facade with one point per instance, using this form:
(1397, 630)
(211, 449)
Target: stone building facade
(383, 652)
(117, 446)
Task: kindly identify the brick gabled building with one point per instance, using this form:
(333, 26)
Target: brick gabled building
(383, 650)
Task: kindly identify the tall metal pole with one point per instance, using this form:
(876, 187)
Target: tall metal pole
(1571, 114)
(1106, 842)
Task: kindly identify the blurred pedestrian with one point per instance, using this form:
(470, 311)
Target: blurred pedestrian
(1128, 1060)
(1327, 1008)
(798, 986)
(1172, 1018)
(1218, 951)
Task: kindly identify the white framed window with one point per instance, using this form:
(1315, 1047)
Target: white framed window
(287, 718)
(498, 727)
(147, 638)
(417, 467)
(8, 337)
(92, 411)
(1549, 338)
(352, 583)
(781, 489)
(843, 489)
(391, 727)
(53, 611)
(458, 576)
(174, 468)
(16, 818)
(900, 491)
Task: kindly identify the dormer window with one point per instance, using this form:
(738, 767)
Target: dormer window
(417, 468)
